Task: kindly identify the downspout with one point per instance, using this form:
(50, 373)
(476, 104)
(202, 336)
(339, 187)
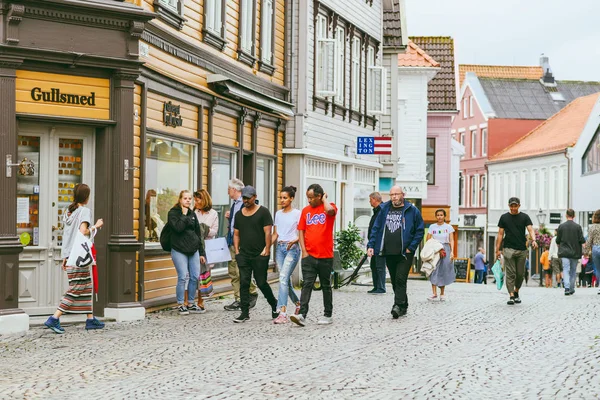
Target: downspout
(566, 154)
(291, 53)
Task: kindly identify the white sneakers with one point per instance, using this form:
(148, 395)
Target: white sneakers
(325, 321)
(301, 321)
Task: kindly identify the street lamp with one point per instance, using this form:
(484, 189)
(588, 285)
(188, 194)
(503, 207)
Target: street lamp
(541, 217)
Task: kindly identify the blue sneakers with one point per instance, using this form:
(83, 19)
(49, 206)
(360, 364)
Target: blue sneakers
(93, 323)
(54, 324)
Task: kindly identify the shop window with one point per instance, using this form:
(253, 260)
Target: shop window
(28, 188)
(267, 37)
(170, 168)
(591, 157)
(214, 22)
(223, 168)
(355, 74)
(340, 64)
(265, 182)
(430, 161)
(170, 12)
(362, 208)
(376, 80)
(325, 63)
(247, 31)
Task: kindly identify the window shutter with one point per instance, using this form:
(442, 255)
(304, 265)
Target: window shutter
(326, 67)
(267, 32)
(246, 25)
(376, 95)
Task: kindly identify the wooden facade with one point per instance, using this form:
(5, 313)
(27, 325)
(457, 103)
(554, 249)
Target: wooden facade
(182, 61)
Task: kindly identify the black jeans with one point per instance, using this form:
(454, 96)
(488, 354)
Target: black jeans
(378, 272)
(259, 266)
(399, 267)
(311, 267)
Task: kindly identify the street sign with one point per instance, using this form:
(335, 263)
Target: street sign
(374, 145)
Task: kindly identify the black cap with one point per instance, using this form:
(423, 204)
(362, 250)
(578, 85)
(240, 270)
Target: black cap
(514, 200)
(248, 192)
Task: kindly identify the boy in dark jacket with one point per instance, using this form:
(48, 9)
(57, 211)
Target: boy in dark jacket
(570, 241)
(396, 234)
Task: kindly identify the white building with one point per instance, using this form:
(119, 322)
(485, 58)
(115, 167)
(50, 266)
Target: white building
(544, 168)
(338, 87)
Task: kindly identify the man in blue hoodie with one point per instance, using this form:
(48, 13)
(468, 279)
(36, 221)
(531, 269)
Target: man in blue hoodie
(397, 232)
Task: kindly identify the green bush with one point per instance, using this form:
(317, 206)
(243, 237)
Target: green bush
(347, 243)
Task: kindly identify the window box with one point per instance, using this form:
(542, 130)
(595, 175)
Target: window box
(170, 12)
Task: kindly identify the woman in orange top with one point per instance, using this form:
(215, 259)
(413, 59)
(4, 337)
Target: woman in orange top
(545, 261)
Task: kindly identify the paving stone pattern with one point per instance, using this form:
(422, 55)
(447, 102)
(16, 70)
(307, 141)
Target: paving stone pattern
(473, 346)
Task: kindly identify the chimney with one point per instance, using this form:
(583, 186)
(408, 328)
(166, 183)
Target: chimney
(548, 77)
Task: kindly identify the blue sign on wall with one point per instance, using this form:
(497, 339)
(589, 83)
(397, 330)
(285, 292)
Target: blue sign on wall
(365, 145)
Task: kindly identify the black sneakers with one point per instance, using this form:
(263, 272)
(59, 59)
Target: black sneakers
(396, 312)
(253, 300)
(517, 298)
(183, 310)
(235, 306)
(242, 318)
(274, 313)
(511, 301)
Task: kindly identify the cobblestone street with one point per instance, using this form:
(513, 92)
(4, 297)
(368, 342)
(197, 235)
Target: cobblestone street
(473, 346)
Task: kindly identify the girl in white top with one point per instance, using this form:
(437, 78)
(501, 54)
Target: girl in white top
(285, 234)
(444, 273)
(208, 216)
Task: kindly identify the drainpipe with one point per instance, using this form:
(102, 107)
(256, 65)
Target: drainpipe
(566, 154)
(291, 52)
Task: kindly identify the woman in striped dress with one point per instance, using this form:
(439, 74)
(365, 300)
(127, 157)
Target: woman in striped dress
(78, 298)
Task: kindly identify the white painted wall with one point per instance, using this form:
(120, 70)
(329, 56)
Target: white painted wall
(458, 150)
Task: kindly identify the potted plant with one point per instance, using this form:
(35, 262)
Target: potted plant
(348, 246)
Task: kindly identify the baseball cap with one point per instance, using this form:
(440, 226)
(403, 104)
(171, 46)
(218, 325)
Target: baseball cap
(248, 191)
(514, 200)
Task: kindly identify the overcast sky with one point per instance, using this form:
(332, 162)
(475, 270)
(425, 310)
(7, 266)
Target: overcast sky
(516, 32)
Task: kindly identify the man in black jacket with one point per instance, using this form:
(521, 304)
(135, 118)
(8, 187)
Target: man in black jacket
(377, 261)
(569, 240)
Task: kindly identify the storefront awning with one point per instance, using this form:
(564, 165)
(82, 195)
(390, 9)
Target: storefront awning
(225, 86)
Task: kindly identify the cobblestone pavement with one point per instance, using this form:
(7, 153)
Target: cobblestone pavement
(473, 346)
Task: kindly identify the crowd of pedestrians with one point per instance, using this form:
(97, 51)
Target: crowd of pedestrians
(396, 231)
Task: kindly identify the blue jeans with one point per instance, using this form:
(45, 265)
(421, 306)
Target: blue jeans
(186, 265)
(287, 260)
(479, 274)
(569, 272)
(596, 259)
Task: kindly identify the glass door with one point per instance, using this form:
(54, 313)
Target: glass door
(62, 157)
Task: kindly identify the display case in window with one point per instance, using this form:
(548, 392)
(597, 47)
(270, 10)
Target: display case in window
(28, 189)
(70, 158)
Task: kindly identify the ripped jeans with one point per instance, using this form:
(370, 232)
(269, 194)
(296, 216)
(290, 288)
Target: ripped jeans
(287, 260)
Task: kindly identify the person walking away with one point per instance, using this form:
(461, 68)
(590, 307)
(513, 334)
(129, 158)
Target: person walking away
(235, 193)
(444, 273)
(187, 251)
(511, 232)
(570, 240)
(377, 261)
(252, 244)
(287, 251)
(479, 261)
(206, 216)
(315, 232)
(593, 242)
(545, 261)
(78, 298)
(397, 232)
(555, 262)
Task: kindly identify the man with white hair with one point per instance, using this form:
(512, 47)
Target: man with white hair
(234, 190)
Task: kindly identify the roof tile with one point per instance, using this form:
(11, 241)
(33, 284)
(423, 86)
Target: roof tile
(500, 71)
(560, 131)
(415, 57)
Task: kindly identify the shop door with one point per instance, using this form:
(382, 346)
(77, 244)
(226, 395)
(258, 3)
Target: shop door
(62, 157)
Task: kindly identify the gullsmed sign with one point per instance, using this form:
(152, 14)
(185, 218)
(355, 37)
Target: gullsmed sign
(54, 95)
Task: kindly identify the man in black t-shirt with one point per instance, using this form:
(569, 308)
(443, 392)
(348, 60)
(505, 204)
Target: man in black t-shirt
(251, 241)
(511, 230)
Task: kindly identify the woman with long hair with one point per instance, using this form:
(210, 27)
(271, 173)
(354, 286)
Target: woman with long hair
(208, 216)
(285, 235)
(593, 240)
(78, 298)
(187, 251)
(444, 274)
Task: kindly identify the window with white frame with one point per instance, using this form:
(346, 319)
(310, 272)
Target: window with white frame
(461, 189)
(173, 4)
(247, 26)
(376, 81)
(591, 157)
(170, 12)
(514, 184)
(267, 12)
(524, 187)
(265, 182)
(491, 192)
(340, 64)
(484, 191)
(484, 141)
(474, 191)
(553, 188)
(465, 108)
(356, 74)
(535, 189)
(471, 110)
(500, 191)
(214, 16)
(430, 166)
(562, 193)
(325, 63)
(224, 166)
(474, 143)
(507, 186)
(543, 187)
(171, 167)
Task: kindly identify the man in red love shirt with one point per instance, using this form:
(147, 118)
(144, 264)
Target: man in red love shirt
(315, 230)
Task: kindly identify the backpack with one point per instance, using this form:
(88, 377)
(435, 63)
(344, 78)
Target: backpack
(165, 238)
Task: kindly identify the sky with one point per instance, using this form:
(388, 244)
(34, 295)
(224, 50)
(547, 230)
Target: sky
(516, 32)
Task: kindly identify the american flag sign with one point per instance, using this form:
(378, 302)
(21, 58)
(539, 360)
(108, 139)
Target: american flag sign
(374, 145)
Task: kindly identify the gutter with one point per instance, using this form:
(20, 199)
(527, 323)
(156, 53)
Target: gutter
(566, 154)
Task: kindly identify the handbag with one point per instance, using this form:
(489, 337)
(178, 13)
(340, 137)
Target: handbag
(165, 237)
(206, 286)
(498, 274)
